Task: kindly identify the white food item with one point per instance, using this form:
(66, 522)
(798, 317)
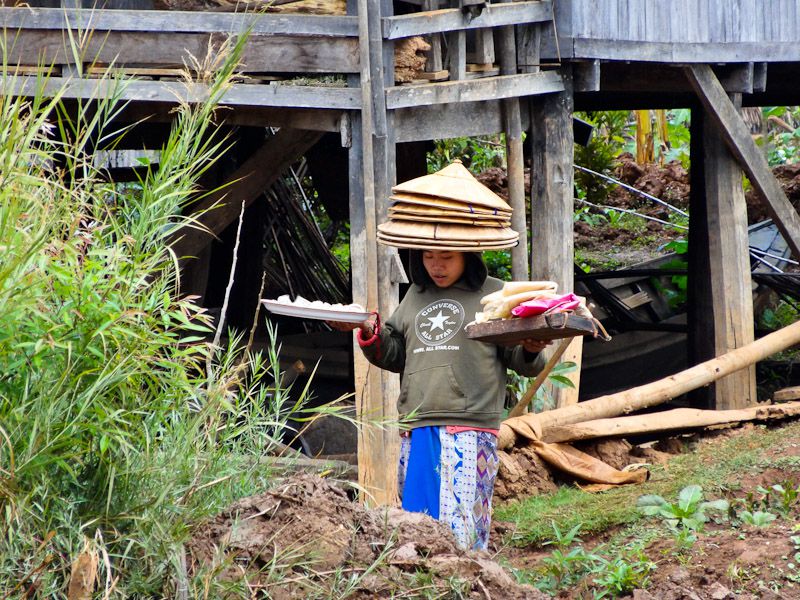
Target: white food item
(318, 304)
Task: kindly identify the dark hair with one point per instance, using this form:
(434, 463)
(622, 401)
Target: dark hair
(475, 271)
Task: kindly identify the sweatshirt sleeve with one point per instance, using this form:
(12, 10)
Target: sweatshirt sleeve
(518, 359)
(386, 348)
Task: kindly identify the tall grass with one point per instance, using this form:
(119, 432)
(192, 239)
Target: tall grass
(113, 432)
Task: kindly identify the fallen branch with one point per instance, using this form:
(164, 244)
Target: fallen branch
(651, 394)
(671, 420)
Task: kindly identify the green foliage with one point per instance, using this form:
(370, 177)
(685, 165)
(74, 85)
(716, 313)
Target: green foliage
(678, 121)
(517, 385)
(477, 153)
(499, 263)
(781, 314)
(120, 425)
(688, 513)
(611, 137)
(676, 294)
(782, 137)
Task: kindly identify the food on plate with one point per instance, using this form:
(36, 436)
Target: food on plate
(500, 304)
(319, 304)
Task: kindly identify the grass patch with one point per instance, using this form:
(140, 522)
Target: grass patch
(715, 466)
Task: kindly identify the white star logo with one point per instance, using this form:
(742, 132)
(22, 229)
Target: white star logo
(437, 322)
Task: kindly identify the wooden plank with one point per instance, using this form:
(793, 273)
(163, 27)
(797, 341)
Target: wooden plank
(457, 55)
(542, 327)
(279, 54)
(738, 139)
(177, 21)
(439, 121)
(684, 52)
(505, 86)
(454, 19)
(786, 394)
(552, 240)
(730, 323)
(172, 92)
(433, 63)
(483, 53)
(249, 181)
(586, 75)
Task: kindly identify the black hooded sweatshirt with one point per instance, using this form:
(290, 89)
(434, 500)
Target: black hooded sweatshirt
(447, 378)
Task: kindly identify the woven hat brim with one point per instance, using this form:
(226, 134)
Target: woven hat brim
(452, 220)
(411, 245)
(436, 203)
(401, 208)
(437, 231)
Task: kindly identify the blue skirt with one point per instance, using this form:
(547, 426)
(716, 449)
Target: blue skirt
(450, 476)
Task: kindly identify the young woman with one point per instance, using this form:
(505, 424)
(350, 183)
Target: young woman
(453, 389)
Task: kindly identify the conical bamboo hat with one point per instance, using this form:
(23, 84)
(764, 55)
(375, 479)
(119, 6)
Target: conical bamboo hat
(454, 182)
(446, 204)
(426, 245)
(446, 231)
(412, 213)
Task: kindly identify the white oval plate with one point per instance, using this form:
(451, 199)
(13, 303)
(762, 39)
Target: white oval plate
(309, 312)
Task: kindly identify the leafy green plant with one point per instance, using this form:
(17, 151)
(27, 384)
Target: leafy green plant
(565, 565)
(477, 153)
(758, 518)
(622, 575)
(687, 514)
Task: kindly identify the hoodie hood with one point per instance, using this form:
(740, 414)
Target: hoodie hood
(475, 271)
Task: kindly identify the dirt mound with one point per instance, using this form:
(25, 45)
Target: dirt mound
(307, 538)
(669, 183)
(789, 178)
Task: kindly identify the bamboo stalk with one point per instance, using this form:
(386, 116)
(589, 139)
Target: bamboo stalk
(651, 394)
(520, 407)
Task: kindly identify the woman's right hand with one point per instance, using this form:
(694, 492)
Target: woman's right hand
(367, 327)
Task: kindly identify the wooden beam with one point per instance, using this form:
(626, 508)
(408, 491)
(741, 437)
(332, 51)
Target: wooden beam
(454, 19)
(262, 53)
(177, 21)
(293, 96)
(741, 144)
(248, 182)
(730, 324)
(552, 240)
(439, 121)
(491, 88)
(694, 53)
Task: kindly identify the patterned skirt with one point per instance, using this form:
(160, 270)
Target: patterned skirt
(450, 476)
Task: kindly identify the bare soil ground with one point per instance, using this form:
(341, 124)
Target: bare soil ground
(725, 562)
(308, 538)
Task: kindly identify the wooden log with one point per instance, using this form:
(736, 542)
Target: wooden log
(678, 419)
(245, 184)
(786, 394)
(741, 144)
(651, 394)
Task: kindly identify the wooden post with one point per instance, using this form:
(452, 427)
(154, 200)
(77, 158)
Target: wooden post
(725, 293)
(552, 244)
(512, 126)
(371, 176)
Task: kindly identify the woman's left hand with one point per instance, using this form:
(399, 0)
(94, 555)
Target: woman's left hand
(534, 346)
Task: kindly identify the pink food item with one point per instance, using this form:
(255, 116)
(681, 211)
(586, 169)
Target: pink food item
(539, 306)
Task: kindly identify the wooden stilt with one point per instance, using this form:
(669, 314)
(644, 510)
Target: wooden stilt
(730, 323)
(371, 171)
(512, 125)
(552, 245)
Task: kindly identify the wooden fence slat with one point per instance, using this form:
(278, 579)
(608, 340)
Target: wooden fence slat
(454, 19)
(491, 88)
(177, 21)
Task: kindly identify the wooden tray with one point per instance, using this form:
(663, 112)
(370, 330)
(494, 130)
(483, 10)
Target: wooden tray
(540, 327)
